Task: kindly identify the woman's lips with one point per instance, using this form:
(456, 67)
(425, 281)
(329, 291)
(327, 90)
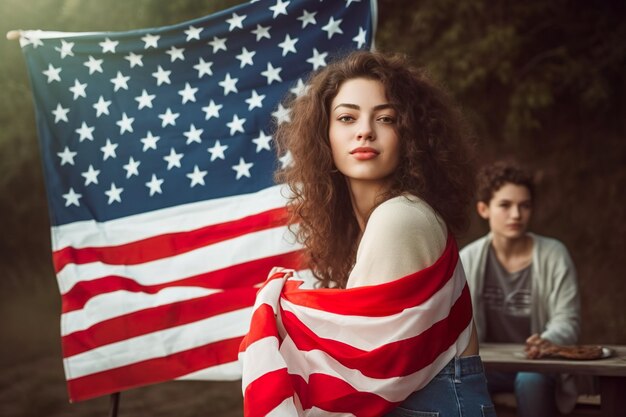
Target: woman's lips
(364, 153)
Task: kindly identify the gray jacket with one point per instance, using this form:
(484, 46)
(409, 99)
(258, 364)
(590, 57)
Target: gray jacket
(555, 302)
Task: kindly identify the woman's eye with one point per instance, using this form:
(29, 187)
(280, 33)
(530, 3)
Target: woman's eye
(346, 119)
(386, 119)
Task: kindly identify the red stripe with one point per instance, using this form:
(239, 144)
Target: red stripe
(322, 391)
(153, 370)
(169, 244)
(264, 318)
(266, 393)
(406, 292)
(248, 274)
(389, 359)
(156, 318)
(264, 326)
(335, 395)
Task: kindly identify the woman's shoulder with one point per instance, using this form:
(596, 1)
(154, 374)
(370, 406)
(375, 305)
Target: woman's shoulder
(403, 235)
(408, 213)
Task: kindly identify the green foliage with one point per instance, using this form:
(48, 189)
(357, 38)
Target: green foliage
(513, 63)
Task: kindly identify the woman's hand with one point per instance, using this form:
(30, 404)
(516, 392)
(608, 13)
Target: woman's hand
(288, 273)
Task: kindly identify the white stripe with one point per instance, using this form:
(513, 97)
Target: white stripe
(391, 389)
(368, 333)
(158, 344)
(220, 255)
(185, 217)
(230, 371)
(270, 294)
(115, 304)
(260, 358)
(394, 389)
(284, 409)
(318, 412)
(44, 34)
(309, 281)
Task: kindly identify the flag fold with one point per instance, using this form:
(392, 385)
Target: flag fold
(358, 351)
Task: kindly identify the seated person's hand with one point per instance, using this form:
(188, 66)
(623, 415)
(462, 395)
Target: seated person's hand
(537, 348)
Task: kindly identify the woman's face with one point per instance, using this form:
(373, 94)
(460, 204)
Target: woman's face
(362, 132)
(508, 211)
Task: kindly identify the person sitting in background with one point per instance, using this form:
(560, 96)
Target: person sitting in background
(524, 289)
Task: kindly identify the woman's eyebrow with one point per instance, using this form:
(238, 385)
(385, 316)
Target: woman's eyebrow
(383, 106)
(348, 105)
(507, 200)
(357, 107)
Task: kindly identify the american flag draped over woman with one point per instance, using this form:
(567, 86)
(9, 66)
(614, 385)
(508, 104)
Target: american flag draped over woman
(360, 351)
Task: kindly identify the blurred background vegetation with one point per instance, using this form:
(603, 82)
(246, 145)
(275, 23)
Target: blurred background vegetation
(541, 81)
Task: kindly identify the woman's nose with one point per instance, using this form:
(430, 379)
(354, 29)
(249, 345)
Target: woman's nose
(365, 131)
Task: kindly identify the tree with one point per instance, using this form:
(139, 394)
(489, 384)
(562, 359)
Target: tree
(515, 63)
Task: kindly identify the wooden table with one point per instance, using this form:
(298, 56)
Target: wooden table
(610, 371)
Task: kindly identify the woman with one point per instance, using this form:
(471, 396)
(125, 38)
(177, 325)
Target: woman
(379, 182)
(523, 288)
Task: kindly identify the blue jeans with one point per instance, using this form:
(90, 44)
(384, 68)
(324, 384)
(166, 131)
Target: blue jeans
(459, 390)
(534, 392)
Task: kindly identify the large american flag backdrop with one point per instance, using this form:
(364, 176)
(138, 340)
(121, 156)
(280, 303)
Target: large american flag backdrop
(158, 159)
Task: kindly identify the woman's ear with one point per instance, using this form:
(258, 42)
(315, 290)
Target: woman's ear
(483, 210)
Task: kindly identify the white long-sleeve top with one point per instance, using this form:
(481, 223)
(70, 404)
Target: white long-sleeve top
(403, 235)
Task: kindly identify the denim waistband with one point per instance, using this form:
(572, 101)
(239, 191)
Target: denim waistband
(465, 365)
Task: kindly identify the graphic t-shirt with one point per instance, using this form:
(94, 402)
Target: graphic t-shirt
(507, 302)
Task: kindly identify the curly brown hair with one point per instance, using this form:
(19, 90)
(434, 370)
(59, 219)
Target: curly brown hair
(435, 162)
(492, 177)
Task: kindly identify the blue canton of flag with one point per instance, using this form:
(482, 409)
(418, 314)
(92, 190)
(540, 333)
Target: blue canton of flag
(158, 159)
(136, 121)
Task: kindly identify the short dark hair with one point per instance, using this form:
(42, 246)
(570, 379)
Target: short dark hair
(492, 177)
